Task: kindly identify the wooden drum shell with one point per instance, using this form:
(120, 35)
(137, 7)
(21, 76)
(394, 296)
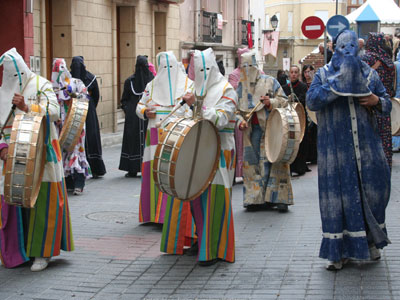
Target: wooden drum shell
(73, 125)
(282, 135)
(25, 160)
(171, 148)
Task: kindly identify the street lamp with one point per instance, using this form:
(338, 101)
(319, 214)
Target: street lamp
(274, 22)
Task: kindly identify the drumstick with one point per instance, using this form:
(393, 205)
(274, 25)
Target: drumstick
(250, 114)
(158, 125)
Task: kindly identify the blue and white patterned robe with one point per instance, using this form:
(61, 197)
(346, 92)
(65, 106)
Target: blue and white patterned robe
(352, 209)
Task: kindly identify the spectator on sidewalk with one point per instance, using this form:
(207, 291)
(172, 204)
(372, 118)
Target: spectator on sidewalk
(93, 140)
(76, 166)
(134, 128)
(353, 173)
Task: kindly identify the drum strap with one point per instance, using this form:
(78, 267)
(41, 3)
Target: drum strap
(375, 230)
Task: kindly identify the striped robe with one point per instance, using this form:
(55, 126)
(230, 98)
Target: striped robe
(153, 202)
(46, 229)
(212, 211)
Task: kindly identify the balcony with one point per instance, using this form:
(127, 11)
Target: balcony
(243, 36)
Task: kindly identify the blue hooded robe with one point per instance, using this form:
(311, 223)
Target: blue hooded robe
(353, 194)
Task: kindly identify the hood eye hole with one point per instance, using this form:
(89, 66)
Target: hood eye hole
(165, 67)
(170, 67)
(208, 69)
(22, 73)
(201, 70)
(15, 75)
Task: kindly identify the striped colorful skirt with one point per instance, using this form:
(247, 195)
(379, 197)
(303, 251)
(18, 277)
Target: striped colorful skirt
(39, 232)
(152, 201)
(213, 216)
(178, 229)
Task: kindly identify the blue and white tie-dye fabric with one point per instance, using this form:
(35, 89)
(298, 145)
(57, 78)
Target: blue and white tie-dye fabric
(352, 200)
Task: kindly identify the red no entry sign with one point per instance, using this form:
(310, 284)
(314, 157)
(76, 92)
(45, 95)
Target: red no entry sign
(312, 27)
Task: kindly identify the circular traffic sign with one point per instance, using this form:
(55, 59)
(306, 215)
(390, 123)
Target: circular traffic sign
(312, 27)
(337, 24)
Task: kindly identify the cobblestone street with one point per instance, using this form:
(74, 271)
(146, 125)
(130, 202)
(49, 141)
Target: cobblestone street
(276, 253)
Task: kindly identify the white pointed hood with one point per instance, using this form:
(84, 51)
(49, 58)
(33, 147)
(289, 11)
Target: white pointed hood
(169, 83)
(15, 76)
(208, 80)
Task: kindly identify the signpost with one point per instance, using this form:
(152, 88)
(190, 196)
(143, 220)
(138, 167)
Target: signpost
(312, 27)
(336, 24)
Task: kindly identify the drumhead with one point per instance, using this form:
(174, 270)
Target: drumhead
(197, 160)
(274, 135)
(395, 116)
(302, 118)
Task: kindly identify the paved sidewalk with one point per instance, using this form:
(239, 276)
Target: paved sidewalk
(276, 254)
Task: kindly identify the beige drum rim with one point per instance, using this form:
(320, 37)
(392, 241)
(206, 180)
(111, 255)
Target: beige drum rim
(174, 157)
(34, 162)
(312, 115)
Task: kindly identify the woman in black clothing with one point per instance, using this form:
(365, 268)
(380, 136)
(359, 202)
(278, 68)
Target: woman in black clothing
(93, 141)
(134, 128)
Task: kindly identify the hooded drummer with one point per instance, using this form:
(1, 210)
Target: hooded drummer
(41, 232)
(158, 100)
(212, 211)
(264, 184)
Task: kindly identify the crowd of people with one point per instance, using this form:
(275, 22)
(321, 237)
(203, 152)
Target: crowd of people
(349, 96)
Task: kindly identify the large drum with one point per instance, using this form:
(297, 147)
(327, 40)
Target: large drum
(282, 136)
(25, 160)
(73, 124)
(186, 158)
(395, 116)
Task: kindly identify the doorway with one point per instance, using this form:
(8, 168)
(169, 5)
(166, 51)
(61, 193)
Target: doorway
(126, 56)
(160, 32)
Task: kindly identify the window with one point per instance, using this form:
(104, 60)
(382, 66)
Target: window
(354, 2)
(266, 22)
(360, 2)
(323, 15)
(290, 22)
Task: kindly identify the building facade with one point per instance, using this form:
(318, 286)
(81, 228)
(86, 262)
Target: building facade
(109, 34)
(291, 13)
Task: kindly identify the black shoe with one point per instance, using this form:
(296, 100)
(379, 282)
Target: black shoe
(308, 170)
(282, 207)
(130, 175)
(254, 207)
(192, 251)
(208, 263)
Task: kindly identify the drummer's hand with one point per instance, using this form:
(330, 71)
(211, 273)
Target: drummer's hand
(3, 154)
(243, 125)
(19, 101)
(189, 99)
(370, 100)
(150, 114)
(265, 100)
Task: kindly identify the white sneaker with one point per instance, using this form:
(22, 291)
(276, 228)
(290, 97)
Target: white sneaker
(40, 264)
(334, 266)
(374, 253)
(78, 192)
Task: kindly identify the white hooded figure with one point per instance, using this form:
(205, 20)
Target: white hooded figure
(51, 208)
(217, 100)
(159, 98)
